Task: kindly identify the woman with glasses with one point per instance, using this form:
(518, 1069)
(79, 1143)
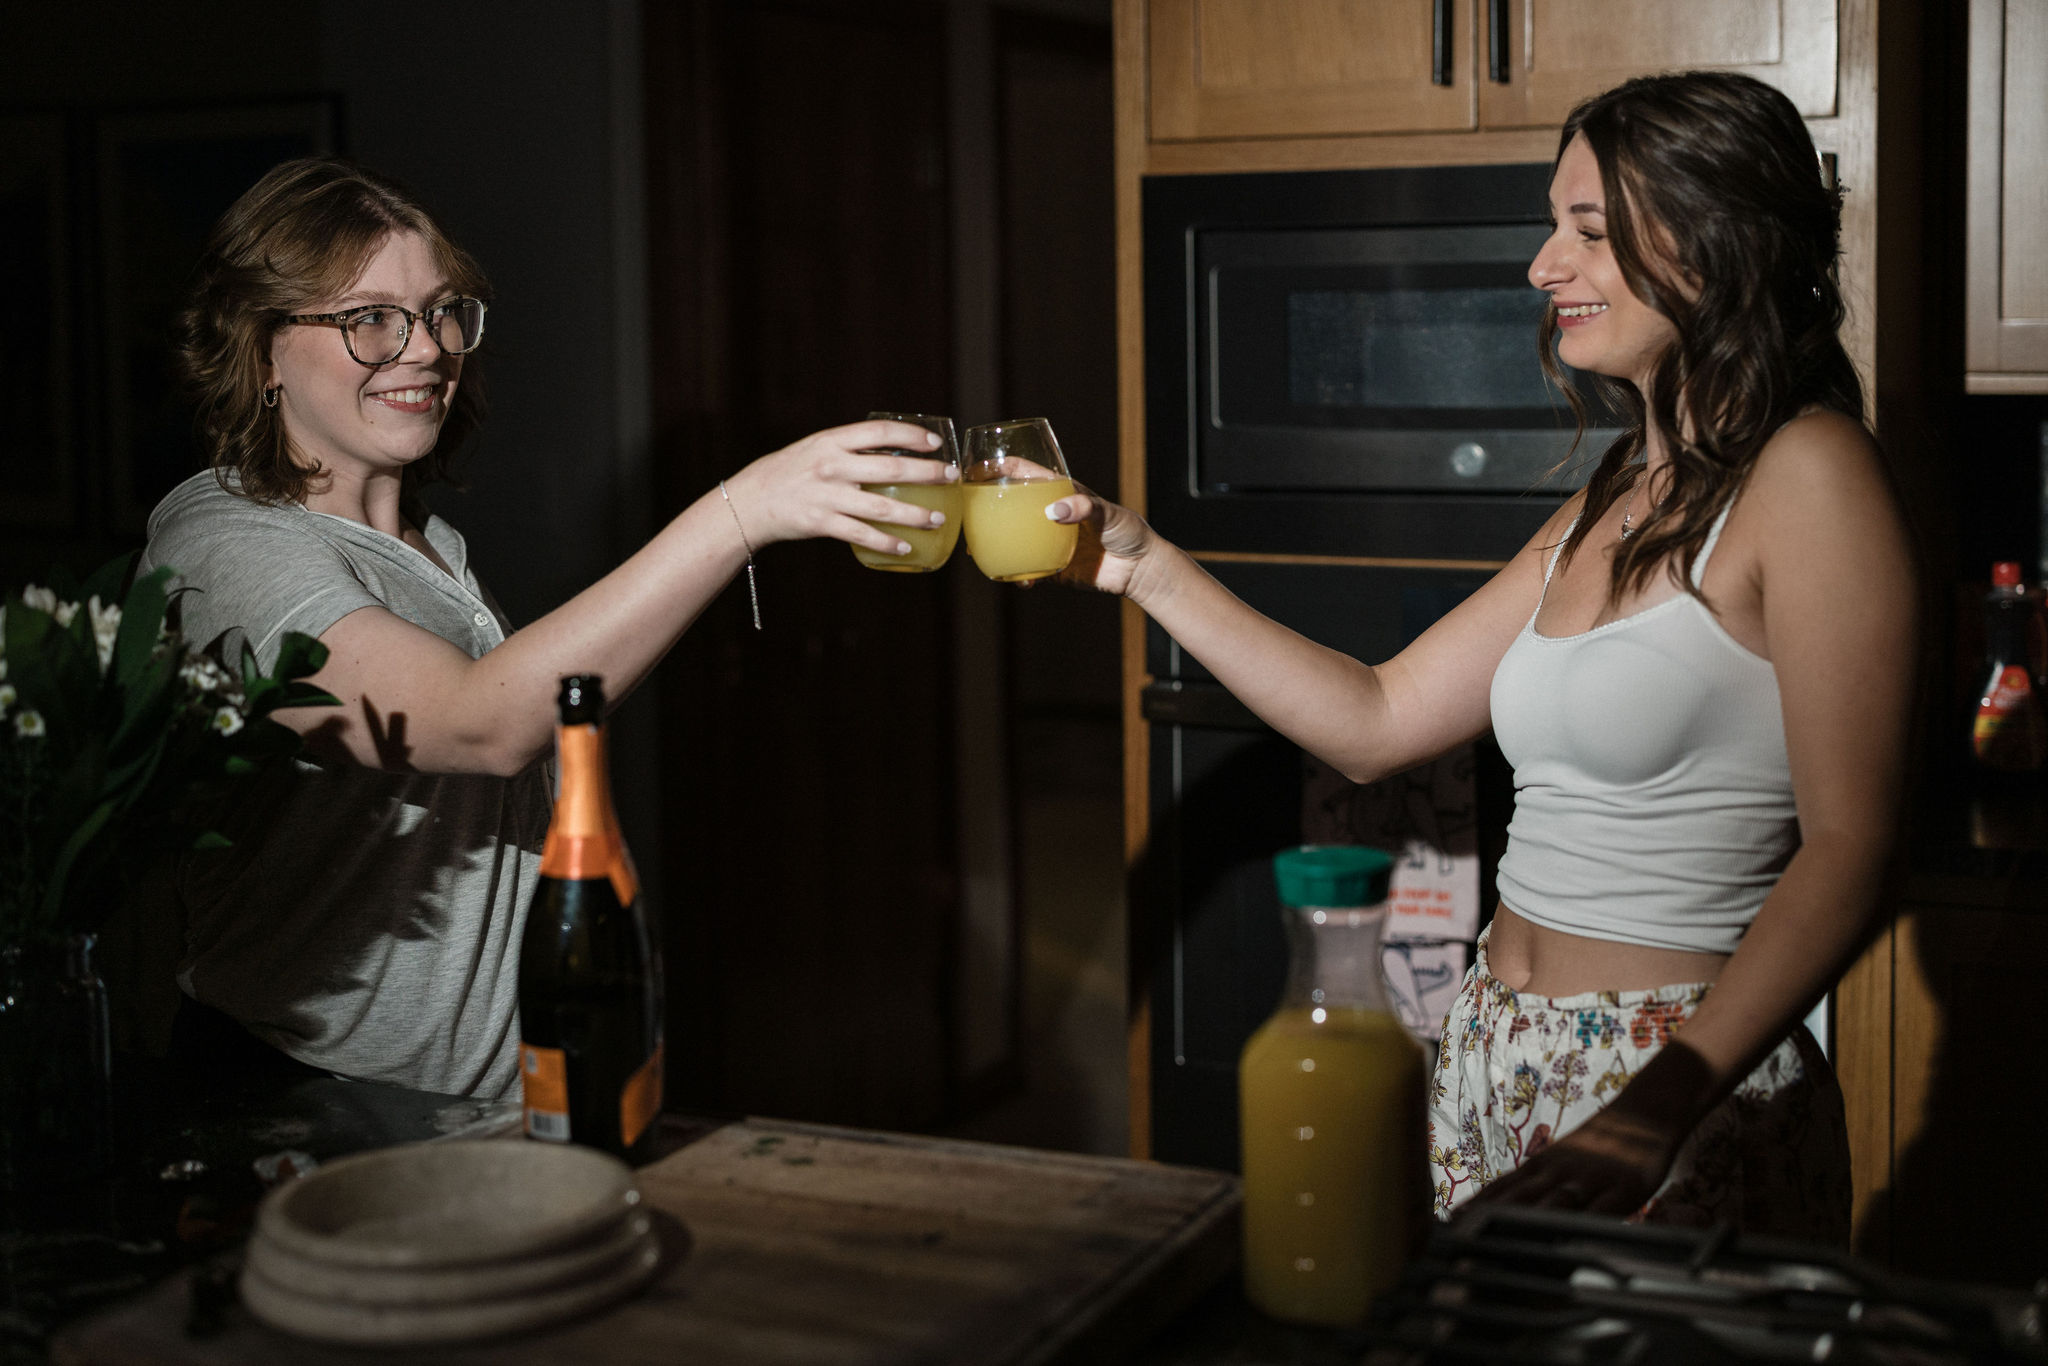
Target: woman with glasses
(367, 920)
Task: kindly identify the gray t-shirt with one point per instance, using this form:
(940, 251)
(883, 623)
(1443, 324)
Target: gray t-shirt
(365, 922)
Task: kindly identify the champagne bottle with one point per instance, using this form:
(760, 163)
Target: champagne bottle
(589, 991)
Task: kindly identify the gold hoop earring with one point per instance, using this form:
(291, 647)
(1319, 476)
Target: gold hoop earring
(270, 396)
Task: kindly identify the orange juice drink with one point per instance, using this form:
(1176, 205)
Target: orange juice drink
(1334, 1137)
(1008, 533)
(929, 545)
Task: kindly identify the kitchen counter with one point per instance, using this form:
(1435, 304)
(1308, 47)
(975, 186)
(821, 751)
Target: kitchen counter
(793, 1243)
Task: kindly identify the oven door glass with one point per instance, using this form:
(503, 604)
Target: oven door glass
(1398, 359)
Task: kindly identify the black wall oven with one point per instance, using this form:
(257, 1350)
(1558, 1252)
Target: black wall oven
(1345, 363)
(1345, 409)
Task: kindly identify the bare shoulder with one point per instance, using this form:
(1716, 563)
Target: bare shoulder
(1818, 452)
(1821, 479)
(1825, 521)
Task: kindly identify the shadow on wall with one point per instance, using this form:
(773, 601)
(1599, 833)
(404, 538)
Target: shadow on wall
(1968, 1192)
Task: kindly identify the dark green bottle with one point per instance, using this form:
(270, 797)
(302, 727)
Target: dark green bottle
(590, 994)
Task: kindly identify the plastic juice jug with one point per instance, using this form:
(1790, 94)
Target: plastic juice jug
(1332, 1096)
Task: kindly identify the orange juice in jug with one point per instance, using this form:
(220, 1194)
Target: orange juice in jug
(1331, 1105)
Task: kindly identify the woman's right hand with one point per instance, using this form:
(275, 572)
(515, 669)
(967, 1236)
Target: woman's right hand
(812, 487)
(1114, 542)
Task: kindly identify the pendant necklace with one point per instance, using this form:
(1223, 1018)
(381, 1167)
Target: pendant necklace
(1628, 527)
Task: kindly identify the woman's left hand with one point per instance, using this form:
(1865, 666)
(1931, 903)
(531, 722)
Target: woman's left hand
(1616, 1160)
(1611, 1164)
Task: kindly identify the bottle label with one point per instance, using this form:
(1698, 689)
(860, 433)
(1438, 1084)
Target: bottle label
(544, 1075)
(2008, 733)
(640, 1102)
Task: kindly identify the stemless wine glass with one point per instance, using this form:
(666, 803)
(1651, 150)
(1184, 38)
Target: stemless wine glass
(1013, 472)
(929, 545)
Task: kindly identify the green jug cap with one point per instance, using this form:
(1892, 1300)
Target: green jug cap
(1333, 875)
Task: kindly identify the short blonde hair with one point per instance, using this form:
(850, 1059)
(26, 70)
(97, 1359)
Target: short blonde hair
(302, 234)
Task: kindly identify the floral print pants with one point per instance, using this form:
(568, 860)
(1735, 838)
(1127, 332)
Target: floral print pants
(1515, 1072)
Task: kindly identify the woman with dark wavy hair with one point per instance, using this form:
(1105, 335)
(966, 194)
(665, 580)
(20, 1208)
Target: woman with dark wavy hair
(1701, 669)
(367, 920)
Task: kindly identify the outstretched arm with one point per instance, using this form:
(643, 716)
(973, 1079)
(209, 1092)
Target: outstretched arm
(1365, 721)
(411, 700)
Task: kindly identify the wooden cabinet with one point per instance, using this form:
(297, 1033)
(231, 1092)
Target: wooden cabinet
(1561, 51)
(1305, 68)
(2006, 286)
(1262, 68)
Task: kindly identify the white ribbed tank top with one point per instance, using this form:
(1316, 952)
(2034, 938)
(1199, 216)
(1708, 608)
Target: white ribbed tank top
(1653, 796)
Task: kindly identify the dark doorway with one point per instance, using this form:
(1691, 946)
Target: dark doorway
(799, 272)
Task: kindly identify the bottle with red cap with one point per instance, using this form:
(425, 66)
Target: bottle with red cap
(2011, 732)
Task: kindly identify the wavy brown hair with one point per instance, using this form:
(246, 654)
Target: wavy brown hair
(300, 236)
(1719, 219)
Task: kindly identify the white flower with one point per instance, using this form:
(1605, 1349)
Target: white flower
(201, 674)
(66, 613)
(6, 697)
(40, 598)
(227, 720)
(29, 724)
(106, 623)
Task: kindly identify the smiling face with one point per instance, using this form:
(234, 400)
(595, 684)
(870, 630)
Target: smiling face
(1602, 326)
(348, 419)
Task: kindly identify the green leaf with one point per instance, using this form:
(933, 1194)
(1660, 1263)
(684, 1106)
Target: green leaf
(298, 655)
(212, 839)
(306, 695)
(142, 616)
(148, 703)
(262, 695)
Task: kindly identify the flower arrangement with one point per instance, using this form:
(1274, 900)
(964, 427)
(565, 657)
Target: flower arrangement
(116, 739)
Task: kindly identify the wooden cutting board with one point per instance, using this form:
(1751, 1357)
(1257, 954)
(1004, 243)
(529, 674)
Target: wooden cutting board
(800, 1245)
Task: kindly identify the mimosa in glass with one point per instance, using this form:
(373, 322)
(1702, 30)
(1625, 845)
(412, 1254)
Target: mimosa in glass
(1012, 473)
(930, 546)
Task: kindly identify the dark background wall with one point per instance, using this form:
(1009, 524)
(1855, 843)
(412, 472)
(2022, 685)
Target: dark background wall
(524, 125)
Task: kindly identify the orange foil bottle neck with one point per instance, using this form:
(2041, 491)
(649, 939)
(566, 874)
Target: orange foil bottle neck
(583, 838)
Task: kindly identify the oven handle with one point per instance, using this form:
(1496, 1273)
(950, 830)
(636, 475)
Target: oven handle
(1497, 40)
(1440, 44)
(1206, 706)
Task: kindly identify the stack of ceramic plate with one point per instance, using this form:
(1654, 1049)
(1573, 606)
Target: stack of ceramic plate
(437, 1242)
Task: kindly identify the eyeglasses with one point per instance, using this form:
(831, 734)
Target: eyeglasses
(376, 334)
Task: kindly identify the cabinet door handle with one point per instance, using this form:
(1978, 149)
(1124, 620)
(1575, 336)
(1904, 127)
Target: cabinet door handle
(1497, 40)
(1440, 45)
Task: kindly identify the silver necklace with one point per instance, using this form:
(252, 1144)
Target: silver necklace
(1628, 509)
